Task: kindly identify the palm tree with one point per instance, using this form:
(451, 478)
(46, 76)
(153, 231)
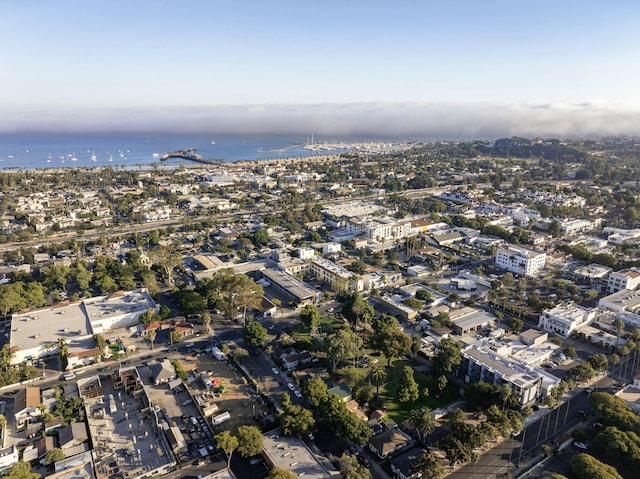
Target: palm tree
(151, 334)
(378, 375)
(422, 421)
(3, 425)
(619, 325)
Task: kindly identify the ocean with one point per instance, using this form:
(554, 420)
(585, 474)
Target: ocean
(32, 151)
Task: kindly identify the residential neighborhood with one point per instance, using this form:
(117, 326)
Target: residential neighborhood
(411, 314)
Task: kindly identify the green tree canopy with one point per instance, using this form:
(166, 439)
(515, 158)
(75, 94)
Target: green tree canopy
(408, 391)
(255, 334)
(310, 316)
(585, 466)
(250, 441)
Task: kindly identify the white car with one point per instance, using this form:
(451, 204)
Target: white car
(580, 445)
(69, 376)
(297, 393)
(291, 386)
(275, 370)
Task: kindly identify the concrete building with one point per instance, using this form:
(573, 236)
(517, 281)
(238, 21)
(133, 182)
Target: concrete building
(466, 320)
(26, 406)
(482, 363)
(296, 290)
(623, 279)
(377, 229)
(624, 301)
(291, 454)
(332, 273)
(520, 260)
(565, 318)
(35, 333)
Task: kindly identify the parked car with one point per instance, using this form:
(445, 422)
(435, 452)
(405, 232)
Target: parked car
(69, 376)
(291, 386)
(580, 445)
(275, 370)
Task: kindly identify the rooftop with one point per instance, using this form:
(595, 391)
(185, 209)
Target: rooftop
(291, 454)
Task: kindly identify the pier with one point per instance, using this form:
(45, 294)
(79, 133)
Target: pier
(189, 154)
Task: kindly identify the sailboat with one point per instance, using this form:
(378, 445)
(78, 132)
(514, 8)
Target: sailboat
(49, 158)
(213, 142)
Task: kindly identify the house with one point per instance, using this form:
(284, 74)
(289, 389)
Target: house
(293, 359)
(82, 358)
(26, 406)
(163, 372)
(388, 442)
(72, 435)
(52, 424)
(8, 457)
(403, 466)
(342, 391)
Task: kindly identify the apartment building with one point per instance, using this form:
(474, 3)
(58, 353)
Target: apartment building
(520, 260)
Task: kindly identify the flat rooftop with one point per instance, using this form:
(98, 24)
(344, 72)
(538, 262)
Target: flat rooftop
(34, 328)
(291, 454)
(117, 304)
(290, 283)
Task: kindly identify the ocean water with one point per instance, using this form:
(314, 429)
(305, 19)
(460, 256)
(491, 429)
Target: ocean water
(35, 150)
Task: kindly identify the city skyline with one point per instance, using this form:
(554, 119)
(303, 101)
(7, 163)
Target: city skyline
(463, 70)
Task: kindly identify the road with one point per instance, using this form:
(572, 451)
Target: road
(514, 452)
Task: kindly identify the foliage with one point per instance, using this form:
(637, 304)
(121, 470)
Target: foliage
(356, 309)
(429, 466)
(614, 412)
(342, 345)
(310, 316)
(333, 412)
(22, 470)
(408, 390)
(620, 447)
(297, 421)
(314, 391)
(447, 358)
(278, 473)
(250, 441)
(255, 334)
(228, 443)
(190, 302)
(422, 420)
(598, 362)
(581, 373)
(54, 455)
(350, 468)
(585, 466)
(180, 371)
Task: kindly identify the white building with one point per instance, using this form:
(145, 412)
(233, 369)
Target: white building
(331, 247)
(623, 279)
(35, 333)
(380, 229)
(565, 318)
(306, 253)
(330, 272)
(520, 260)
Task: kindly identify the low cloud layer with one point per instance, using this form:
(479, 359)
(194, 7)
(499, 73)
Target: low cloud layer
(407, 120)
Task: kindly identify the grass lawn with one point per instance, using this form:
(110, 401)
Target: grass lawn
(398, 411)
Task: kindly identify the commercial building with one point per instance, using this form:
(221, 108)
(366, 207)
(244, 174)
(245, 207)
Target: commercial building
(520, 260)
(332, 273)
(482, 363)
(565, 318)
(291, 287)
(35, 333)
(623, 279)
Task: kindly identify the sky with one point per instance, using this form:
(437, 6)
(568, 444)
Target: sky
(458, 68)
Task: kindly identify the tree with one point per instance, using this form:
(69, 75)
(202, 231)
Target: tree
(585, 466)
(350, 468)
(206, 320)
(255, 334)
(250, 441)
(599, 362)
(245, 294)
(378, 377)
(297, 421)
(442, 382)
(315, 391)
(277, 473)
(227, 443)
(342, 345)
(167, 259)
(151, 334)
(310, 316)
(356, 309)
(422, 420)
(54, 455)
(175, 337)
(22, 470)
(63, 348)
(394, 343)
(619, 325)
(260, 238)
(408, 390)
(191, 302)
(6, 355)
(240, 354)
(447, 358)
(428, 466)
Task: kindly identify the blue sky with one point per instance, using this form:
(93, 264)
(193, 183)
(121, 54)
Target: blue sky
(157, 60)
